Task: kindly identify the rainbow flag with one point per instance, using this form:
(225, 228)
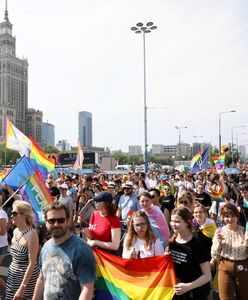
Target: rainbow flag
(199, 161)
(4, 173)
(36, 193)
(122, 279)
(220, 162)
(80, 158)
(216, 192)
(16, 140)
(39, 160)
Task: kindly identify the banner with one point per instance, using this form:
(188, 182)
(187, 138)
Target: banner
(122, 279)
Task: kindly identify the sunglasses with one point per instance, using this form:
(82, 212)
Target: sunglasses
(15, 213)
(126, 188)
(58, 220)
(184, 202)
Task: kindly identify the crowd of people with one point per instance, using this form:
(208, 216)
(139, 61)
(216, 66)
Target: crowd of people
(200, 219)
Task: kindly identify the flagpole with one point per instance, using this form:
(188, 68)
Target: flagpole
(15, 192)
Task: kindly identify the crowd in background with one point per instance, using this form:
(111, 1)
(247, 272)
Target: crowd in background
(200, 219)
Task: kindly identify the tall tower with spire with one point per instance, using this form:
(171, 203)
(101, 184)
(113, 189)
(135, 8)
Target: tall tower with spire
(13, 80)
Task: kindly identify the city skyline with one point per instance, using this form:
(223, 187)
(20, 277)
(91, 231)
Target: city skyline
(85, 57)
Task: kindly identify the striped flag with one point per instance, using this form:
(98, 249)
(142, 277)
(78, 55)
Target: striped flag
(122, 279)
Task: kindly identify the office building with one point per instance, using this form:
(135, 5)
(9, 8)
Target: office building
(158, 149)
(85, 128)
(63, 145)
(135, 149)
(48, 134)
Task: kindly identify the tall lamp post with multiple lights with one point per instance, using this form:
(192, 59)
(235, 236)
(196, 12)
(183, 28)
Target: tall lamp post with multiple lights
(222, 112)
(179, 148)
(144, 29)
(232, 140)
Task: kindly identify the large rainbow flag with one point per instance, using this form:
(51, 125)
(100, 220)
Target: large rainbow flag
(137, 279)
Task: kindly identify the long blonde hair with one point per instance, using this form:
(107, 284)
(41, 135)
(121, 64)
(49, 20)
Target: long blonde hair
(131, 236)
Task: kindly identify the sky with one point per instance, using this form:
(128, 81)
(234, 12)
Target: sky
(83, 56)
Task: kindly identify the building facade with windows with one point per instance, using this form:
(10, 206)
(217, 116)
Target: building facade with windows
(48, 134)
(85, 128)
(135, 149)
(14, 85)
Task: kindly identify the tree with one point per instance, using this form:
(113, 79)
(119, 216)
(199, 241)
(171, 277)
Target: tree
(51, 149)
(120, 157)
(8, 156)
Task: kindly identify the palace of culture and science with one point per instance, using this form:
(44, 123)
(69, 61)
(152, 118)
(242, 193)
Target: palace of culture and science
(14, 87)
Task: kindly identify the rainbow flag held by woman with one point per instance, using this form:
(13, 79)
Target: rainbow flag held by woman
(123, 279)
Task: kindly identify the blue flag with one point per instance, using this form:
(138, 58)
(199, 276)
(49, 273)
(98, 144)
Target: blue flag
(19, 174)
(199, 161)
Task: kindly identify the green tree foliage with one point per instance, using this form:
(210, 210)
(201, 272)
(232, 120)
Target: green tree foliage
(8, 156)
(51, 149)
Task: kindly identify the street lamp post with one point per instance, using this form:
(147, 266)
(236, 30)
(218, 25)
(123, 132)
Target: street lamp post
(179, 148)
(232, 140)
(141, 28)
(222, 112)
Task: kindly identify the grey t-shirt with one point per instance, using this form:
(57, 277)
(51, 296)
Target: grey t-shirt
(65, 267)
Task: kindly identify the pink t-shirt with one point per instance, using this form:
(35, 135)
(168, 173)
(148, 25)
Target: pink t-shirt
(100, 226)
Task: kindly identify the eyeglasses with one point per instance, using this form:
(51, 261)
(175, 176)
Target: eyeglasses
(58, 220)
(140, 225)
(184, 202)
(15, 213)
(166, 189)
(126, 188)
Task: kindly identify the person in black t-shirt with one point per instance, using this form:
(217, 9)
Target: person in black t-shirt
(189, 257)
(201, 196)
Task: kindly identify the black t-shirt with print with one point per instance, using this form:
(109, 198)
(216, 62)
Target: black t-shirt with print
(187, 258)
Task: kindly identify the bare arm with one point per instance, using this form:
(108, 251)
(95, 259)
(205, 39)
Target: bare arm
(113, 245)
(118, 212)
(87, 290)
(182, 288)
(39, 287)
(3, 226)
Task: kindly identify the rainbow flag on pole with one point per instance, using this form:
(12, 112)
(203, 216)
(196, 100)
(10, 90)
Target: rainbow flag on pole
(80, 158)
(36, 193)
(123, 279)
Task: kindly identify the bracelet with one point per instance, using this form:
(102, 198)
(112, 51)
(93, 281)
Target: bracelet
(23, 285)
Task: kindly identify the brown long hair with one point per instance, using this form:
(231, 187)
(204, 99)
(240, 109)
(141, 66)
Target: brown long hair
(131, 236)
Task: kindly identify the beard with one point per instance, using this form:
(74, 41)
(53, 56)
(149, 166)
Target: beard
(58, 232)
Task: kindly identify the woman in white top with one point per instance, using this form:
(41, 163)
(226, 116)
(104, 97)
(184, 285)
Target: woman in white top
(230, 248)
(140, 240)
